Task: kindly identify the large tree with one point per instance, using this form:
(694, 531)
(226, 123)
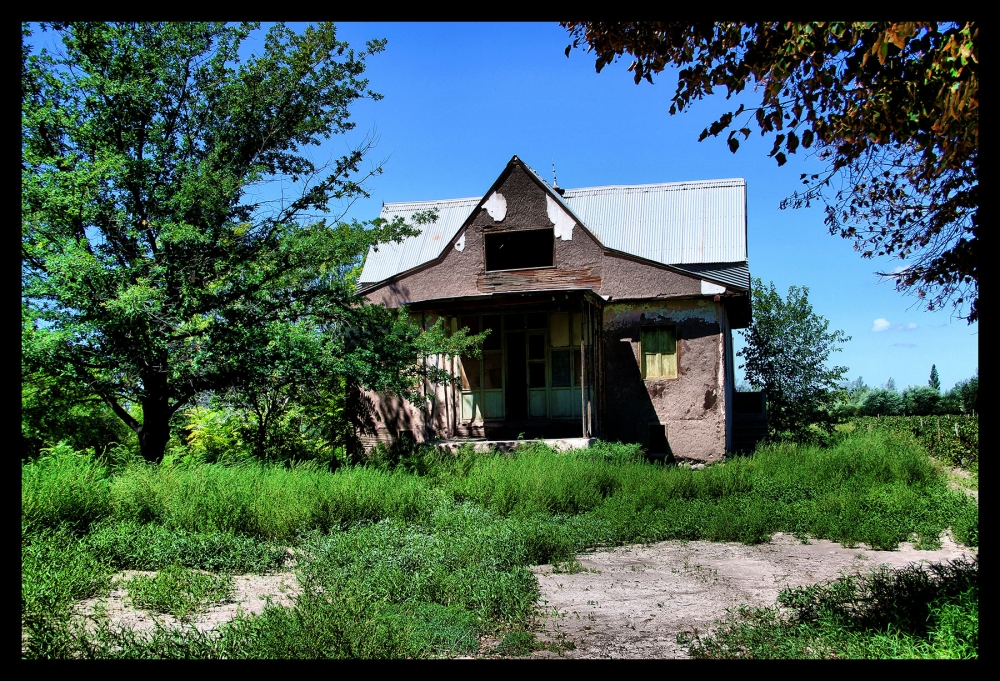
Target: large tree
(787, 354)
(892, 108)
(173, 221)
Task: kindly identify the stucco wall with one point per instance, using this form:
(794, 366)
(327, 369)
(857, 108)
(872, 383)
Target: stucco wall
(691, 406)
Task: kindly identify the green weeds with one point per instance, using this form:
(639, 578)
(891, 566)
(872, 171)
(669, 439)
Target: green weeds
(178, 590)
(916, 612)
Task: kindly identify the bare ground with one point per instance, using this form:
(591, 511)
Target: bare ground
(631, 602)
(627, 602)
(250, 594)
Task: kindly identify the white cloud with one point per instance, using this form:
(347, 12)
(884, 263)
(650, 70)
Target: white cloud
(911, 325)
(880, 324)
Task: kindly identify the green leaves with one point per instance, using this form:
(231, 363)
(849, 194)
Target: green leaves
(867, 96)
(154, 271)
(786, 354)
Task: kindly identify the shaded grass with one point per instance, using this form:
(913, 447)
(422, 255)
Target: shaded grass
(914, 612)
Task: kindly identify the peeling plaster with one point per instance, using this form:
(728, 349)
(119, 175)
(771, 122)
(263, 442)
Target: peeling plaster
(560, 218)
(625, 314)
(496, 206)
(460, 244)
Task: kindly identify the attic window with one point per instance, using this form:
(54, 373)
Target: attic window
(520, 250)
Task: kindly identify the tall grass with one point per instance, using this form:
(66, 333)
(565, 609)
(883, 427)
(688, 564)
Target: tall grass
(424, 558)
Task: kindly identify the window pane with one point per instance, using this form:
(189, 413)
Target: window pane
(648, 340)
(470, 373)
(520, 250)
(536, 346)
(559, 329)
(492, 322)
(493, 369)
(536, 374)
(537, 320)
(652, 361)
(514, 321)
(561, 376)
(668, 365)
(668, 342)
(576, 367)
(575, 327)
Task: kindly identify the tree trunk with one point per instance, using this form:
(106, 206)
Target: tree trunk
(155, 429)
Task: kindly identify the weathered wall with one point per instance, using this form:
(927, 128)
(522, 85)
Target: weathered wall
(631, 278)
(691, 406)
(462, 272)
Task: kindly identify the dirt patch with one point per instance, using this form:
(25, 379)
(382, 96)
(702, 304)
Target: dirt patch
(250, 594)
(631, 602)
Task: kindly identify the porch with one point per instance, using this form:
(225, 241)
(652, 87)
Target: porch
(540, 374)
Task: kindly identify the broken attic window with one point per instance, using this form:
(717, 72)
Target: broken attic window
(520, 250)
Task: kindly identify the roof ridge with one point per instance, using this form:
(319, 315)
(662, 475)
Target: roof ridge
(678, 185)
(432, 202)
(607, 187)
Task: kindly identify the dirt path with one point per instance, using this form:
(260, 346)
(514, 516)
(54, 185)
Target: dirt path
(631, 602)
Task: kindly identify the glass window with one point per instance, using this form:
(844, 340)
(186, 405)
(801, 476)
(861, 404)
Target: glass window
(493, 369)
(492, 322)
(537, 320)
(561, 375)
(470, 373)
(559, 329)
(536, 374)
(536, 346)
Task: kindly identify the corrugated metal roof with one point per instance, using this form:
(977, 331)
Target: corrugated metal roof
(734, 274)
(700, 224)
(391, 259)
(672, 223)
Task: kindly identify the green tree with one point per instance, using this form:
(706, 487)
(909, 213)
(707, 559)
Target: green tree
(921, 400)
(786, 354)
(934, 381)
(891, 108)
(967, 394)
(155, 267)
(882, 402)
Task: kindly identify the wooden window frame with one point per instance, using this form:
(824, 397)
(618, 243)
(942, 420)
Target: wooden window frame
(677, 351)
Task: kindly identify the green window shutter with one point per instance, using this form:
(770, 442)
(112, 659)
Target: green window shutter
(659, 352)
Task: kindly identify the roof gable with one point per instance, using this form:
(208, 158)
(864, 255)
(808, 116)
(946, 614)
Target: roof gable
(693, 226)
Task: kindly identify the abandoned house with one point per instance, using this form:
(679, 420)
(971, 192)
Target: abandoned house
(610, 311)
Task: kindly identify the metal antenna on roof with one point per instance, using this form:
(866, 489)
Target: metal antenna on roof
(555, 182)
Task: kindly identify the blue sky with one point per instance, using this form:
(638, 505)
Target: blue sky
(461, 99)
